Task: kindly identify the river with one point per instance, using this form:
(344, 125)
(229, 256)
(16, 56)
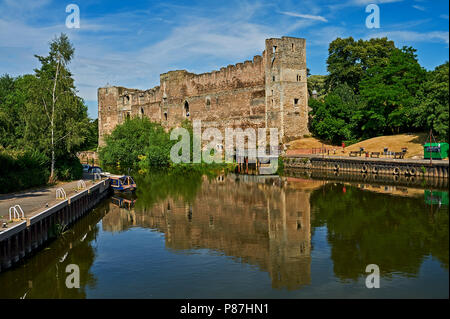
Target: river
(239, 236)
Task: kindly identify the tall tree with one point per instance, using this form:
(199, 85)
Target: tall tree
(57, 117)
(14, 95)
(432, 113)
(391, 93)
(334, 119)
(348, 60)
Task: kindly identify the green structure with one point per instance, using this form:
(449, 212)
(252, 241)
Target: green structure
(436, 197)
(435, 150)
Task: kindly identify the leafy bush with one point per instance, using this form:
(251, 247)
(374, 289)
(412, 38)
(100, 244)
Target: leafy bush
(69, 168)
(133, 139)
(22, 170)
(335, 118)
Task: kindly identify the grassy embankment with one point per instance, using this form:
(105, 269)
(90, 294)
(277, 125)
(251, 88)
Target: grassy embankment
(414, 143)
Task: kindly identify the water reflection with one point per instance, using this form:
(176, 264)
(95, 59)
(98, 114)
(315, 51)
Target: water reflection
(292, 228)
(44, 275)
(395, 232)
(268, 222)
(263, 222)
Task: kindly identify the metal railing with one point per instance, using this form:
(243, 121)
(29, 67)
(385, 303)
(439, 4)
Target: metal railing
(14, 212)
(61, 193)
(81, 184)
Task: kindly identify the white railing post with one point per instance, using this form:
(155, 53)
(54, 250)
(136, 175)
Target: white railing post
(81, 184)
(14, 212)
(61, 193)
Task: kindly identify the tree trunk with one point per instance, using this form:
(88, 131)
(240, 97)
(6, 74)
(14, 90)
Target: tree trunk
(52, 178)
(52, 167)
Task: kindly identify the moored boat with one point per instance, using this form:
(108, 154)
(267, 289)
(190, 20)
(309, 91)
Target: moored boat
(122, 183)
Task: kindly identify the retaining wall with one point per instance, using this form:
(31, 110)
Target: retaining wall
(23, 239)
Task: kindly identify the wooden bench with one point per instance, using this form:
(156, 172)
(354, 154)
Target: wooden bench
(399, 155)
(354, 153)
(375, 154)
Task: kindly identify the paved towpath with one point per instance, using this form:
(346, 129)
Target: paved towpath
(35, 200)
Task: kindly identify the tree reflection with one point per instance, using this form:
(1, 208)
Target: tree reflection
(44, 275)
(396, 233)
(259, 223)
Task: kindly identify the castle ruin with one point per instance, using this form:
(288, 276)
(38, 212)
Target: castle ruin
(270, 91)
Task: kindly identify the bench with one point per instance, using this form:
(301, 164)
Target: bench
(399, 155)
(354, 153)
(375, 154)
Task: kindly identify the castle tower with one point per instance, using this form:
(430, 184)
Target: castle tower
(268, 91)
(286, 88)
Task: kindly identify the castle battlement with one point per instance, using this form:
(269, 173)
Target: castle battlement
(268, 91)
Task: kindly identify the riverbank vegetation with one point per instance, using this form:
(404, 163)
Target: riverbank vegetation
(374, 88)
(43, 122)
(142, 145)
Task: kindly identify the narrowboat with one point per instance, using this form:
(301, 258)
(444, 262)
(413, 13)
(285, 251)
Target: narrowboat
(122, 183)
(123, 202)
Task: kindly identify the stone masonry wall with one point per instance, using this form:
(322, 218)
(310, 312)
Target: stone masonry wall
(258, 93)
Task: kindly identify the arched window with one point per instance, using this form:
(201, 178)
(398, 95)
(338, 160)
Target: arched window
(208, 102)
(165, 116)
(186, 108)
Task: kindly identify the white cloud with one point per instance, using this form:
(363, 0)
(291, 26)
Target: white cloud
(132, 48)
(357, 3)
(304, 16)
(366, 2)
(418, 7)
(26, 4)
(412, 36)
(323, 36)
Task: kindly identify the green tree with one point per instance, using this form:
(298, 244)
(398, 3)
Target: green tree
(91, 141)
(391, 93)
(57, 118)
(14, 94)
(348, 60)
(333, 119)
(317, 83)
(432, 113)
(134, 140)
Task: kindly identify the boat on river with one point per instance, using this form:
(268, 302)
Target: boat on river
(122, 183)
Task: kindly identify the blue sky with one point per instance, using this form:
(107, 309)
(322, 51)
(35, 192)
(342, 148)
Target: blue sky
(131, 43)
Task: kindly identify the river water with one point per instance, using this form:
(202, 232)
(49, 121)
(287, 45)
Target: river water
(236, 236)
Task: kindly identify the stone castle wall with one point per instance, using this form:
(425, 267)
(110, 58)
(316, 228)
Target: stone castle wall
(269, 91)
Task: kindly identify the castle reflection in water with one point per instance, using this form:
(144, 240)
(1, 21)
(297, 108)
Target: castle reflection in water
(268, 226)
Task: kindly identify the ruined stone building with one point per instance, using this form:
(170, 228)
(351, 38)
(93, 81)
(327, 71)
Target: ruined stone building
(269, 91)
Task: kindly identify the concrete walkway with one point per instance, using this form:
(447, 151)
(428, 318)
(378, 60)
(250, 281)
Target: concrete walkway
(35, 200)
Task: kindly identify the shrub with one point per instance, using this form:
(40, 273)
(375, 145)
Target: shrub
(69, 168)
(134, 138)
(21, 170)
